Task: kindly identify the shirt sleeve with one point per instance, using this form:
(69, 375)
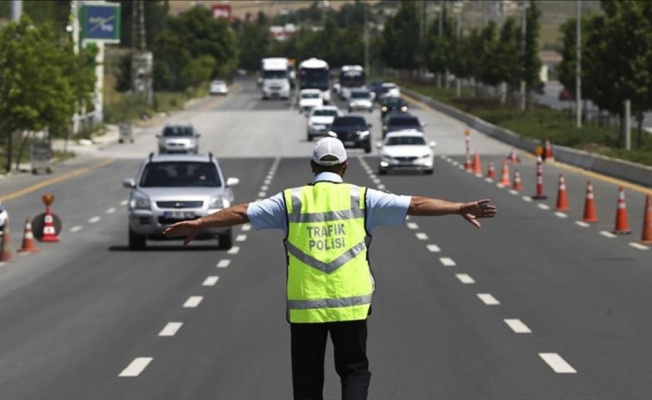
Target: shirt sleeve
(268, 213)
(386, 209)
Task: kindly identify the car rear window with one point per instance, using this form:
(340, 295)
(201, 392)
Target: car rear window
(404, 121)
(177, 131)
(360, 95)
(349, 121)
(324, 113)
(180, 174)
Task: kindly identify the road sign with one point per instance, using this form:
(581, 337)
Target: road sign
(100, 22)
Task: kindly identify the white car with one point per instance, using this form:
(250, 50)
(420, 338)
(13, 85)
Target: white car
(219, 88)
(389, 89)
(320, 120)
(3, 218)
(361, 99)
(406, 150)
(309, 98)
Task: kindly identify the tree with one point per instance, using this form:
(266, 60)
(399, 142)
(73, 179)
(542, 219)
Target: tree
(254, 42)
(156, 12)
(400, 38)
(532, 62)
(439, 45)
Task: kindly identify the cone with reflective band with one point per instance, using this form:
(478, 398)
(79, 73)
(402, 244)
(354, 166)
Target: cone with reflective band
(491, 173)
(28, 239)
(518, 186)
(562, 196)
(467, 162)
(49, 232)
(513, 157)
(646, 235)
(590, 214)
(5, 251)
(477, 167)
(622, 225)
(548, 151)
(504, 175)
(539, 177)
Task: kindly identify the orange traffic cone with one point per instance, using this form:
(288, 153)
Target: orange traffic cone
(548, 151)
(513, 157)
(646, 236)
(622, 225)
(562, 197)
(5, 252)
(504, 175)
(477, 167)
(518, 186)
(28, 239)
(49, 232)
(590, 214)
(491, 173)
(467, 162)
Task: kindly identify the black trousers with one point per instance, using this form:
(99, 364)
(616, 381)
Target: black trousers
(350, 353)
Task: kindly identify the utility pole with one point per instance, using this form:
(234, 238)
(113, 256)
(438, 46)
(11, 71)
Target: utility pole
(578, 65)
(440, 33)
(459, 7)
(16, 9)
(366, 41)
(523, 33)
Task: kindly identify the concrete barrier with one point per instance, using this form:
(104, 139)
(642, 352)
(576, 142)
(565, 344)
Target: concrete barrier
(628, 171)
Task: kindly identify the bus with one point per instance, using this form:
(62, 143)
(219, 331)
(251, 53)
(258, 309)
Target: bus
(314, 74)
(352, 76)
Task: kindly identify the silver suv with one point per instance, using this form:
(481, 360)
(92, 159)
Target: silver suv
(178, 139)
(176, 187)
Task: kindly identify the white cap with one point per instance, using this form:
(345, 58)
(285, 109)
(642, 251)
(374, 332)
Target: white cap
(329, 151)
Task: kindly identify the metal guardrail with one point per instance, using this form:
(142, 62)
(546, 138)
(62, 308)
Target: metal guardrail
(628, 171)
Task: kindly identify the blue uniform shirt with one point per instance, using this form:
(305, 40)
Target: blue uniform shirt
(382, 208)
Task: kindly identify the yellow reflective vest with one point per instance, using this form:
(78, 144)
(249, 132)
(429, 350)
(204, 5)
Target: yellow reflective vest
(329, 278)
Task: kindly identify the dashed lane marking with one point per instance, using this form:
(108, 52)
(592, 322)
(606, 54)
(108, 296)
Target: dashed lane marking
(211, 281)
(465, 279)
(262, 194)
(124, 202)
(607, 234)
(543, 206)
(381, 187)
(433, 248)
(94, 220)
(233, 250)
(76, 228)
(421, 236)
(557, 363)
(447, 262)
(517, 326)
(193, 301)
(488, 299)
(264, 187)
(639, 246)
(241, 238)
(561, 214)
(110, 210)
(223, 263)
(170, 329)
(246, 227)
(582, 224)
(412, 225)
(136, 367)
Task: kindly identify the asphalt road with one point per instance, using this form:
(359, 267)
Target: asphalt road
(531, 306)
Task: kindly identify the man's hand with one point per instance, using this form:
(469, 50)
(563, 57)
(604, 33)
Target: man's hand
(478, 209)
(187, 229)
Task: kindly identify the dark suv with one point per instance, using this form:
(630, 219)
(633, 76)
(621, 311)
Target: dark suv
(400, 121)
(353, 131)
(390, 104)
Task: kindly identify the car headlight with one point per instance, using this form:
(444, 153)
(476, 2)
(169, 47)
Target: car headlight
(219, 202)
(383, 109)
(139, 201)
(385, 157)
(363, 133)
(404, 108)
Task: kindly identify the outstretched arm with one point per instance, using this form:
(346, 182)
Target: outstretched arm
(233, 215)
(428, 206)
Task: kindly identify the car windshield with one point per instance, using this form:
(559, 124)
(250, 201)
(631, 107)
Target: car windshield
(412, 121)
(358, 122)
(360, 95)
(310, 95)
(218, 83)
(177, 131)
(394, 102)
(324, 113)
(405, 141)
(180, 174)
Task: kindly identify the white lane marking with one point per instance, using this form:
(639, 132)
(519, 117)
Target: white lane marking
(94, 220)
(76, 228)
(110, 210)
(267, 181)
(170, 329)
(557, 363)
(223, 263)
(412, 225)
(433, 248)
(136, 367)
(376, 181)
(246, 227)
(527, 199)
(381, 187)
(124, 202)
(241, 238)
(262, 194)
(561, 214)
(447, 262)
(233, 250)
(488, 299)
(543, 206)
(517, 326)
(582, 224)
(489, 180)
(607, 234)
(514, 192)
(422, 236)
(264, 187)
(371, 175)
(639, 246)
(193, 301)
(465, 279)
(211, 281)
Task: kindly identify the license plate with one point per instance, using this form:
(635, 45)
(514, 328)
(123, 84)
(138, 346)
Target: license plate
(180, 214)
(349, 143)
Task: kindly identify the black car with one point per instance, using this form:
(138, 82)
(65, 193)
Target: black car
(400, 121)
(374, 87)
(389, 104)
(353, 131)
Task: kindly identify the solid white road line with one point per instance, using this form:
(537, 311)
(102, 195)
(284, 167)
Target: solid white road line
(433, 248)
(193, 301)
(136, 367)
(607, 234)
(223, 263)
(639, 246)
(465, 279)
(517, 326)
(233, 250)
(421, 236)
(94, 220)
(110, 210)
(412, 225)
(557, 363)
(241, 238)
(170, 329)
(488, 299)
(447, 262)
(246, 227)
(76, 228)
(211, 281)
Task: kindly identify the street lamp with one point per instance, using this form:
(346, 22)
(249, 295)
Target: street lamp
(457, 9)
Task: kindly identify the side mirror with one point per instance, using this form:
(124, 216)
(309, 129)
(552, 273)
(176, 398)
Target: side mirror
(368, 125)
(232, 182)
(129, 183)
(432, 144)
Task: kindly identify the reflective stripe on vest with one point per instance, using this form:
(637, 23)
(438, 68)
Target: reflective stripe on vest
(328, 273)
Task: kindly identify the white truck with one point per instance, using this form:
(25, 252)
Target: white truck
(275, 79)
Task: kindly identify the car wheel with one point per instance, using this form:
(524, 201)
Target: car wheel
(136, 242)
(428, 171)
(225, 240)
(371, 110)
(308, 137)
(367, 149)
(382, 171)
